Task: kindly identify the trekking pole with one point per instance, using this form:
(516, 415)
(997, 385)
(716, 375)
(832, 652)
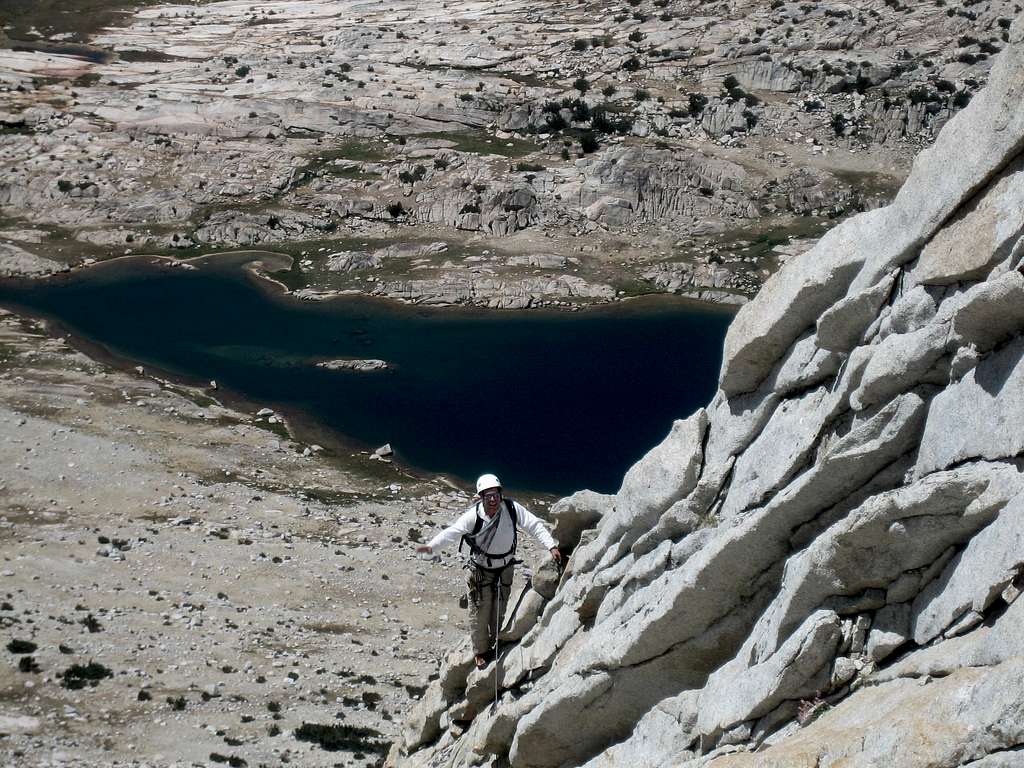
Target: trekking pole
(497, 647)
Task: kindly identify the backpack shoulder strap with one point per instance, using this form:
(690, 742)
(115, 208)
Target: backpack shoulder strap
(510, 505)
(467, 538)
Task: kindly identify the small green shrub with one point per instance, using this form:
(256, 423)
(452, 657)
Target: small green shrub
(21, 646)
(697, 102)
(77, 676)
(588, 143)
(347, 737)
(411, 177)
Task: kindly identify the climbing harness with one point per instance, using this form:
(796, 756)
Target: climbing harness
(480, 539)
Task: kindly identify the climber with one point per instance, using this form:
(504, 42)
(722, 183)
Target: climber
(492, 539)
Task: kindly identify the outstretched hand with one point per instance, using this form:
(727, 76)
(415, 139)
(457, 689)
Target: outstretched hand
(556, 555)
(424, 550)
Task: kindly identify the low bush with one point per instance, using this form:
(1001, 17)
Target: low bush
(21, 646)
(77, 676)
(342, 737)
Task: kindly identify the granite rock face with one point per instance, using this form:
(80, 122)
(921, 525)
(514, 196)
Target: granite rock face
(824, 564)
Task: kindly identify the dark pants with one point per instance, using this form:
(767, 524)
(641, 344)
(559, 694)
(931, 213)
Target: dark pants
(484, 612)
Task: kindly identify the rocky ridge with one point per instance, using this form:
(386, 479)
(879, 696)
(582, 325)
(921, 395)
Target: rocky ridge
(652, 145)
(823, 565)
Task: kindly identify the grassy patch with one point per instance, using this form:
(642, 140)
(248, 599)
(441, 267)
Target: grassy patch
(870, 184)
(355, 150)
(531, 81)
(481, 144)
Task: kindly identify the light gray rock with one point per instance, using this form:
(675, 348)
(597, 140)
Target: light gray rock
(525, 617)
(15, 262)
(570, 516)
(806, 365)
(978, 416)
(545, 578)
(980, 236)
(736, 421)
(973, 146)
(19, 724)
(1012, 758)
(352, 364)
(907, 724)
(985, 646)
(768, 76)
(898, 363)
(990, 312)
(910, 312)
(781, 449)
(423, 724)
(890, 630)
(666, 731)
(844, 669)
(668, 472)
(753, 684)
(769, 553)
(975, 577)
(792, 300)
(841, 326)
(679, 520)
(874, 544)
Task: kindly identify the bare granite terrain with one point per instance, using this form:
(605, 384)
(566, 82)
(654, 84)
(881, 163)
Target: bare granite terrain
(227, 583)
(502, 153)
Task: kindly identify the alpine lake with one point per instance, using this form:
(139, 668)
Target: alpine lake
(550, 401)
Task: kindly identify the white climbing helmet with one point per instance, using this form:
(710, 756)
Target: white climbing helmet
(485, 482)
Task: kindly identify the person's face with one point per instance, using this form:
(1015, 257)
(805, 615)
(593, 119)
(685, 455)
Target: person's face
(492, 498)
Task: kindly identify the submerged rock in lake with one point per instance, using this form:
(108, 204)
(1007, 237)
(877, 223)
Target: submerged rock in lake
(823, 565)
(350, 364)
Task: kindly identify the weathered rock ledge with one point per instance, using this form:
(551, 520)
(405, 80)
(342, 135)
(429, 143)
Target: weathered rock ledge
(823, 565)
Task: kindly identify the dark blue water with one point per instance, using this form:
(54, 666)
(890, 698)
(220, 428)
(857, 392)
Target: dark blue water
(548, 401)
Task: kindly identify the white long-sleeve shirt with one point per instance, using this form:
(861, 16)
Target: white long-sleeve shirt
(496, 535)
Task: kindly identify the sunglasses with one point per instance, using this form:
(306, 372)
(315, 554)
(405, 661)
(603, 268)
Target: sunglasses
(491, 495)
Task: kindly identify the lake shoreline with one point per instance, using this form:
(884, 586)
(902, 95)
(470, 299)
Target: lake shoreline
(118, 303)
(276, 288)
